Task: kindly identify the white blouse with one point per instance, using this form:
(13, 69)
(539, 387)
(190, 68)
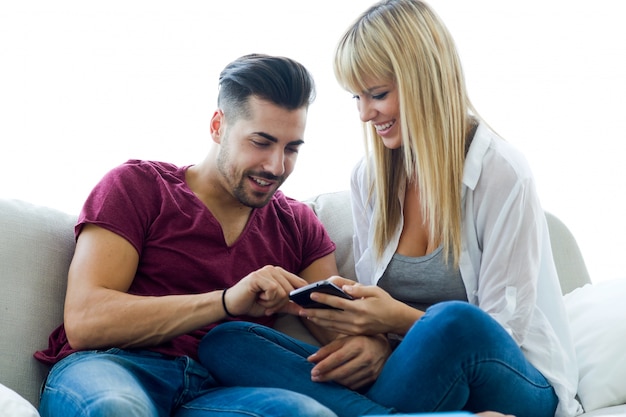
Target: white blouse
(506, 259)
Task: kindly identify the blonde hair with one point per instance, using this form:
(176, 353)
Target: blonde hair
(405, 42)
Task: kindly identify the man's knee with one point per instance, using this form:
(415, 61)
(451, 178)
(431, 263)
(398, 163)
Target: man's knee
(92, 385)
(106, 404)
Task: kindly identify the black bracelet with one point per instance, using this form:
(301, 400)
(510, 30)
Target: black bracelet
(224, 304)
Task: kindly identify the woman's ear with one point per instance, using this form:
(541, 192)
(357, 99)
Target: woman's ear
(217, 126)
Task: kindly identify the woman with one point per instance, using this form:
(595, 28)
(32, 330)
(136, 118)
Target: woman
(452, 249)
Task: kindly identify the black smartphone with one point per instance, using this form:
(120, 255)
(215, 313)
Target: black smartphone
(302, 296)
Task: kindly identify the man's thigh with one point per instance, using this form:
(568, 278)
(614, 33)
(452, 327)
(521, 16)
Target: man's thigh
(110, 383)
(142, 384)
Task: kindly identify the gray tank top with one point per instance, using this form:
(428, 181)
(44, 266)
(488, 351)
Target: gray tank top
(423, 281)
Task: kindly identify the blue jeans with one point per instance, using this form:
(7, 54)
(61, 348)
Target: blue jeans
(456, 357)
(141, 384)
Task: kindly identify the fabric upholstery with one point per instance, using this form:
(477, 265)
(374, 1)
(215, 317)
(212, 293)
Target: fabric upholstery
(36, 244)
(597, 320)
(567, 256)
(14, 405)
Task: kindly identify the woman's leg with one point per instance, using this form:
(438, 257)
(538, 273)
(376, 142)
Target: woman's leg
(456, 357)
(252, 402)
(247, 354)
(203, 397)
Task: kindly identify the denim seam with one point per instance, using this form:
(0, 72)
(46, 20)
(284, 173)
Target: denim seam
(463, 373)
(223, 410)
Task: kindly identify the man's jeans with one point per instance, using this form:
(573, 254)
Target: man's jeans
(141, 383)
(456, 357)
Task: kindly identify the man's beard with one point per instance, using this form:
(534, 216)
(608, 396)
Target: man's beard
(239, 191)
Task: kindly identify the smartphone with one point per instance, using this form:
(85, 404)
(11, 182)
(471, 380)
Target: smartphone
(302, 296)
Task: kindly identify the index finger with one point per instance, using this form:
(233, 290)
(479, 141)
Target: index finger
(292, 280)
(341, 281)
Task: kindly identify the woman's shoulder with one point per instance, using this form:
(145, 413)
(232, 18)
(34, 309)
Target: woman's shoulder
(361, 178)
(360, 168)
(490, 154)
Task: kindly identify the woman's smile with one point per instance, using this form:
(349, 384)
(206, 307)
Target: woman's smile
(384, 128)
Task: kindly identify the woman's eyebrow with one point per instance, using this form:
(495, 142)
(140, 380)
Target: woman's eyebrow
(370, 90)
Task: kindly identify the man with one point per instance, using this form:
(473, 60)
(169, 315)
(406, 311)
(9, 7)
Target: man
(158, 245)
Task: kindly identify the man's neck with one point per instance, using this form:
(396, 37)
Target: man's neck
(229, 212)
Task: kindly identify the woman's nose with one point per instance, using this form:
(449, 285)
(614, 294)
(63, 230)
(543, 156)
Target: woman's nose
(366, 110)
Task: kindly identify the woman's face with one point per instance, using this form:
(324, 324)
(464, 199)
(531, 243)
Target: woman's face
(378, 104)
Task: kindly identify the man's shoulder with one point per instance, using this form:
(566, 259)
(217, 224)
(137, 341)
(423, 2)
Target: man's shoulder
(295, 214)
(144, 169)
(298, 227)
(147, 165)
(283, 203)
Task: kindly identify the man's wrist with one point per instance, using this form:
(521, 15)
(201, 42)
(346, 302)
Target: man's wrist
(224, 304)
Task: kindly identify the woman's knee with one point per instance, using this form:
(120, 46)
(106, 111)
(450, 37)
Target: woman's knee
(460, 322)
(459, 315)
(239, 336)
(233, 333)
(230, 332)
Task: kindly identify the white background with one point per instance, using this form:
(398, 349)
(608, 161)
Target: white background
(86, 85)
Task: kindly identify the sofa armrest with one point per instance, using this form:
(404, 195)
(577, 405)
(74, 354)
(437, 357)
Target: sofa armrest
(568, 259)
(36, 246)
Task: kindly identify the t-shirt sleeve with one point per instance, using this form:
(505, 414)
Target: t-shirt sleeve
(316, 242)
(120, 203)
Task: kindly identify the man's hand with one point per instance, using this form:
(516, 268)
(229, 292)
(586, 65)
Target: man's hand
(352, 361)
(263, 292)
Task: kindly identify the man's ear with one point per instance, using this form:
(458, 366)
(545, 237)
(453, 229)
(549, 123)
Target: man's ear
(217, 125)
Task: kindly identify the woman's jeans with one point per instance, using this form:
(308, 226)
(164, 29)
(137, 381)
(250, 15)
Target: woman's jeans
(456, 357)
(141, 383)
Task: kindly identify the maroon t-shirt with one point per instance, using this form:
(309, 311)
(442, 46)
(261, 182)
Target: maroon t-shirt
(181, 245)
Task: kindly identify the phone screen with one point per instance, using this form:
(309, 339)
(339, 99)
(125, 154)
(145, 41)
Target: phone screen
(302, 296)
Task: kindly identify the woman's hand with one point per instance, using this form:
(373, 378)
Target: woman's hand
(372, 311)
(352, 361)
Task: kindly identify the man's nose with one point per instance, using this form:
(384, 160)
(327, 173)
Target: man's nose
(275, 163)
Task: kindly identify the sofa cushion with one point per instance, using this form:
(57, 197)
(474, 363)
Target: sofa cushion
(335, 212)
(568, 259)
(36, 245)
(597, 319)
(13, 405)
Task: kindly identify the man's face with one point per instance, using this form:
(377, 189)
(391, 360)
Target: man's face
(258, 153)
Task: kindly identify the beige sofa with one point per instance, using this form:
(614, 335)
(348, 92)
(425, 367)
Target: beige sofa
(36, 245)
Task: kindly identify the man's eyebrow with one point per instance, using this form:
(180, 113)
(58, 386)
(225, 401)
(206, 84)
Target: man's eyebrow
(275, 140)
